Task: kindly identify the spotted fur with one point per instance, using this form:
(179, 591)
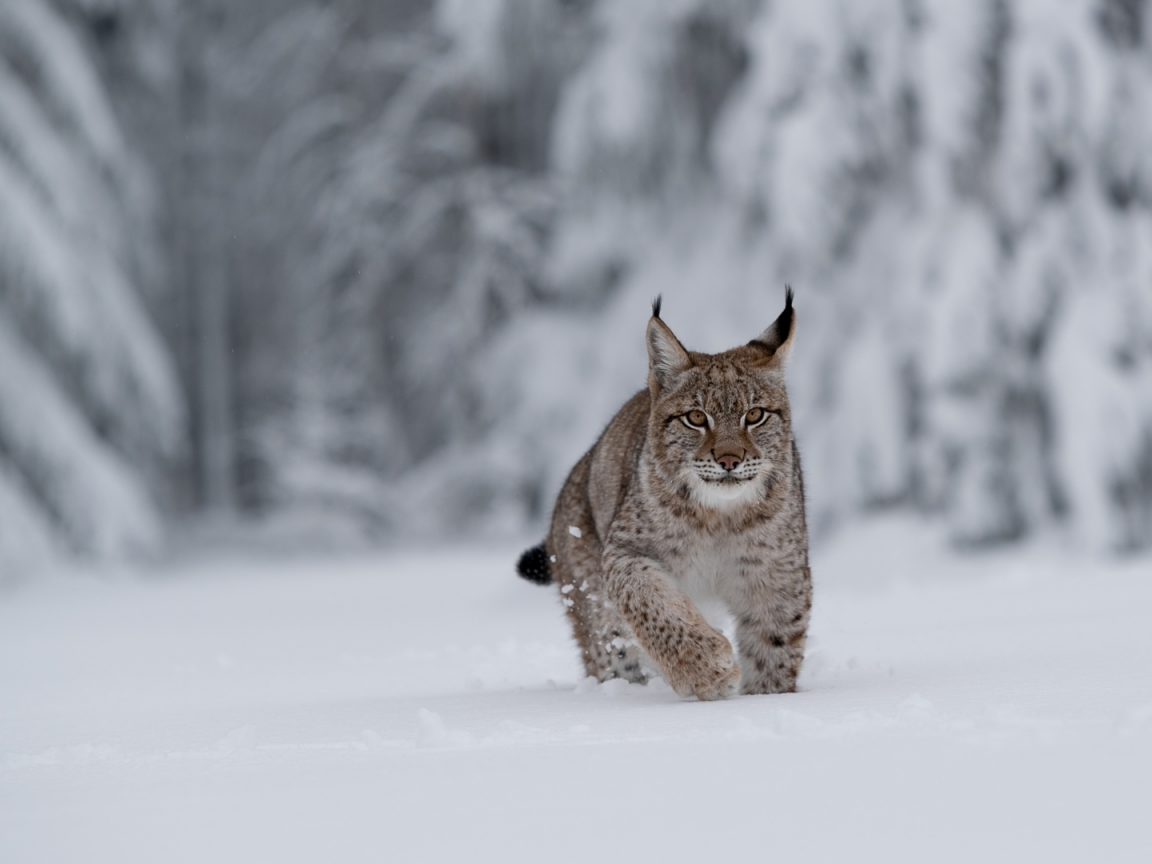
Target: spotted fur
(665, 519)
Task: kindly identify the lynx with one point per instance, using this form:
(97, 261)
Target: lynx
(689, 509)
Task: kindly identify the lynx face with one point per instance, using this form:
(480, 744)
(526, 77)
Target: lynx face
(720, 423)
(722, 431)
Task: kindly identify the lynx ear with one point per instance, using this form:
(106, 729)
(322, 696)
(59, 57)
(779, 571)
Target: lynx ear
(666, 356)
(776, 341)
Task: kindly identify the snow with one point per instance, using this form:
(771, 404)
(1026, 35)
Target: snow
(427, 705)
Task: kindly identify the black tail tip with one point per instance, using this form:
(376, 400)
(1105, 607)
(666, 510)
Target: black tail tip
(535, 566)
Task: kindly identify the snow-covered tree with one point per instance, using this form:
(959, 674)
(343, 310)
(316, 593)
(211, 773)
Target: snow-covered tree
(456, 212)
(416, 241)
(396, 215)
(959, 192)
(89, 402)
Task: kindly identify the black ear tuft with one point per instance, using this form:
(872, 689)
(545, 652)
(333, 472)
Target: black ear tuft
(784, 322)
(656, 305)
(535, 566)
(779, 332)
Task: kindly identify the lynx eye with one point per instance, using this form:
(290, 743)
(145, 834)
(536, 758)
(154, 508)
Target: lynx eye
(755, 417)
(696, 419)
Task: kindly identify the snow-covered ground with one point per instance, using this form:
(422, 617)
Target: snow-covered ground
(428, 706)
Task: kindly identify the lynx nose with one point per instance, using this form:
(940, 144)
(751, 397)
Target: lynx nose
(728, 459)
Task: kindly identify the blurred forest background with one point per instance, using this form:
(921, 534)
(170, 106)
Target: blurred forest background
(361, 269)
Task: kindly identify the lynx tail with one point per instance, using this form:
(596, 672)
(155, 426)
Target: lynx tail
(534, 566)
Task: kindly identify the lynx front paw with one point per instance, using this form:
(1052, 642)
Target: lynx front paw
(704, 667)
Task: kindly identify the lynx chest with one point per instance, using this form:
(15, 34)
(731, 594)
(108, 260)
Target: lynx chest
(709, 571)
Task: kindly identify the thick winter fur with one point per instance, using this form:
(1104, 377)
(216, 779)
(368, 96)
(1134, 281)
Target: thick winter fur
(691, 501)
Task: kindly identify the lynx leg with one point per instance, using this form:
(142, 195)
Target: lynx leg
(607, 646)
(771, 628)
(695, 658)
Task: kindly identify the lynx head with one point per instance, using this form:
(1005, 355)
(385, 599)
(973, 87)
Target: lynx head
(720, 427)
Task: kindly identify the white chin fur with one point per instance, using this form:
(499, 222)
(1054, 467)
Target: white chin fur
(725, 495)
